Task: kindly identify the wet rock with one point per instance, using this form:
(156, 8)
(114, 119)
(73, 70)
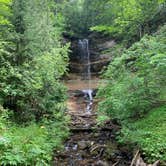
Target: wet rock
(84, 144)
(94, 92)
(101, 163)
(97, 58)
(83, 154)
(106, 45)
(96, 135)
(97, 66)
(78, 93)
(114, 155)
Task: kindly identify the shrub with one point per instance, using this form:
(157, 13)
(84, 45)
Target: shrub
(135, 81)
(135, 85)
(32, 144)
(149, 133)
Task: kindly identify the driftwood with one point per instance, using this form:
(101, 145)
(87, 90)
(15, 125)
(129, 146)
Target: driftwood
(100, 153)
(135, 158)
(82, 115)
(138, 161)
(115, 163)
(98, 146)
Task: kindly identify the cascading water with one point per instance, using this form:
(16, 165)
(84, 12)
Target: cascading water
(85, 58)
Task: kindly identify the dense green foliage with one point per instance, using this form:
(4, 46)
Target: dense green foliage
(136, 76)
(81, 15)
(30, 145)
(149, 133)
(136, 84)
(136, 79)
(34, 57)
(130, 20)
(122, 20)
(32, 61)
(41, 57)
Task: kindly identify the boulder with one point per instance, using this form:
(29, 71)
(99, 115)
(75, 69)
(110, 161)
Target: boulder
(84, 144)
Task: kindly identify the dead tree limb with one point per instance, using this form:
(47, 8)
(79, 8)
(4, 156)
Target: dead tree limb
(135, 157)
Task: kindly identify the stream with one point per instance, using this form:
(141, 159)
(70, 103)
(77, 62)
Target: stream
(88, 144)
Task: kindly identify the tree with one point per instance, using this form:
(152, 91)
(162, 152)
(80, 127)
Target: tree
(130, 20)
(80, 15)
(29, 88)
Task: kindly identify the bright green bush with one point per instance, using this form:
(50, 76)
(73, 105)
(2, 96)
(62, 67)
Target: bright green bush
(32, 61)
(34, 90)
(136, 80)
(130, 20)
(149, 133)
(135, 85)
(42, 93)
(32, 144)
(126, 99)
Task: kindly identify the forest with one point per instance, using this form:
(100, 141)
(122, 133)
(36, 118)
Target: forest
(37, 43)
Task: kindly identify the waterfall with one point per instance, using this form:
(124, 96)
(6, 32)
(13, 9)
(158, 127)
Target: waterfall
(88, 92)
(85, 59)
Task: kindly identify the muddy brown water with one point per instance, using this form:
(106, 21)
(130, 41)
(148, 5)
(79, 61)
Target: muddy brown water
(88, 144)
(77, 83)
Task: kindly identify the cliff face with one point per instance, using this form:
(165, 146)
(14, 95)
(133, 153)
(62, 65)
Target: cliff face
(99, 57)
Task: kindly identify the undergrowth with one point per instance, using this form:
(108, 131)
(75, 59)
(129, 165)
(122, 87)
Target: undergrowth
(149, 133)
(135, 85)
(32, 144)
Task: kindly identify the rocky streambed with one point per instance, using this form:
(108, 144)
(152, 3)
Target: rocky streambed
(90, 144)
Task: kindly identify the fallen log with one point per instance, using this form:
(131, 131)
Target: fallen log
(115, 163)
(81, 129)
(138, 161)
(82, 115)
(97, 147)
(74, 129)
(135, 158)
